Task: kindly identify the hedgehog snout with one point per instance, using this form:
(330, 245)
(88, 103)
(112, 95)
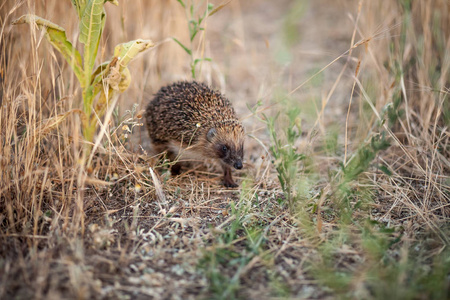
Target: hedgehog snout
(238, 165)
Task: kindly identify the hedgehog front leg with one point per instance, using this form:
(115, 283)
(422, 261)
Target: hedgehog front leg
(228, 178)
(175, 169)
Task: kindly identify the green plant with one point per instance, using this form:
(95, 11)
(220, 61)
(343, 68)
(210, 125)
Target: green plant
(359, 162)
(392, 267)
(229, 257)
(285, 155)
(101, 84)
(195, 25)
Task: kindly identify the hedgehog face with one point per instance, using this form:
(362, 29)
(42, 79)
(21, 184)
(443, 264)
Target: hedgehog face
(230, 154)
(228, 148)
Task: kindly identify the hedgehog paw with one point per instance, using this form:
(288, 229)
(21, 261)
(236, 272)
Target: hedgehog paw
(175, 169)
(230, 184)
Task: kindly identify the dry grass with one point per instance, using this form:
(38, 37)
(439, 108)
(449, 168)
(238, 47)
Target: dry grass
(118, 229)
(419, 157)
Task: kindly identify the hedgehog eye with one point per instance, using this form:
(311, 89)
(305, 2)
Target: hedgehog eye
(224, 149)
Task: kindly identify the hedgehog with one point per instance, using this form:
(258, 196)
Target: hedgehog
(191, 119)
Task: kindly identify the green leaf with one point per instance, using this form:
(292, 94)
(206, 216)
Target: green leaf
(114, 76)
(385, 170)
(91, 26)
(193, 29)
(79, 7)
(101, 69)
(33, 19)
(182, 3)
(188, 51)
(127, 51)
(196, 61)
(209, 8)
(56, 35)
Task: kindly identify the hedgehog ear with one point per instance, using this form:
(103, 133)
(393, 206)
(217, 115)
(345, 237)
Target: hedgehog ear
(211, 134)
